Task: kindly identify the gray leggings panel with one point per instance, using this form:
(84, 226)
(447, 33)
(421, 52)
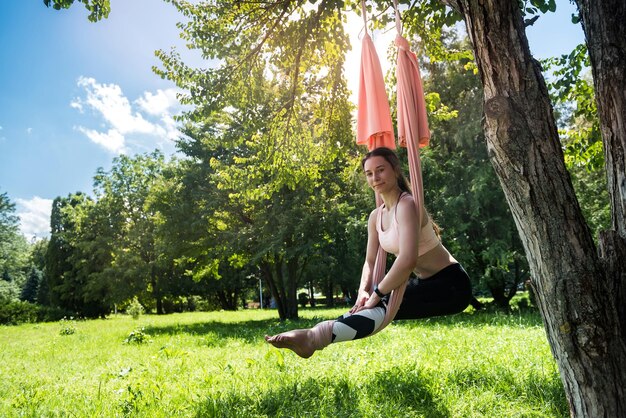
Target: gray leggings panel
(361, 324)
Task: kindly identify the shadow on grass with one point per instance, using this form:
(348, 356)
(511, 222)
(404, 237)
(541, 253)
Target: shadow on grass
(386, 395)
(407, 393)
(216, 331)
(523, 319)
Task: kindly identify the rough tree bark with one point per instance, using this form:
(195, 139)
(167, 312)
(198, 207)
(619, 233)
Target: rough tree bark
(605, 34)
(579, 289)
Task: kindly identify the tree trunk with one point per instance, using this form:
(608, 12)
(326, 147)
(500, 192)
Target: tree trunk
(266, 271)
(311, 294)
(281, 299)
(292, 288)
(328, 292)
(156, 292)
(572, 284)
(266, 275)
(500, 297)
(228, 300)
(282, 289)
(605, 35)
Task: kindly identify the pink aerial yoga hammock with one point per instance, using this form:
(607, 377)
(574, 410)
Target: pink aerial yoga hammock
(374, 129)
(413, 134)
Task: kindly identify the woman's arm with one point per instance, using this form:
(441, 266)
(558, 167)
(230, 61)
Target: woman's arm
(365, 287)
(406, 261)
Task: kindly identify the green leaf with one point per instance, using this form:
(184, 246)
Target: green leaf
(552, 5)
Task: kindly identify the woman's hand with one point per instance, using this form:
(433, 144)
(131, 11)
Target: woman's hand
(361, 299)
(370, 303)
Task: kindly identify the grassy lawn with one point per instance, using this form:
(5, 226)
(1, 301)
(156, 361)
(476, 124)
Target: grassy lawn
(218, 365)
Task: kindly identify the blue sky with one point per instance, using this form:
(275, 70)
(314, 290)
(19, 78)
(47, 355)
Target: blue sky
(74, 94)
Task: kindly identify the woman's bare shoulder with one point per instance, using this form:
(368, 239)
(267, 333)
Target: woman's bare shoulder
(406, 208)
(406, 202)
(373, 214)
(407, 197)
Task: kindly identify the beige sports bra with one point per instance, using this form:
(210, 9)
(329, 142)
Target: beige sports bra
(390, 239)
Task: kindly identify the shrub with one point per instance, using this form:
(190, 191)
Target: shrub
(137, 336)
(51, 314)
(17, 312)
(303, 298)
(68, 326)
(522, 302)
(203, 305)
(135, 309)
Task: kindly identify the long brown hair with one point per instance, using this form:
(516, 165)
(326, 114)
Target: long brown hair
(394, 161)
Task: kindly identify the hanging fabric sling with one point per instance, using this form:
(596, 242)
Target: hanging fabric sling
(374, 129)
(413, 134)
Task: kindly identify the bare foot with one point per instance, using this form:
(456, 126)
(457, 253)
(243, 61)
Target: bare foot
(297, 341)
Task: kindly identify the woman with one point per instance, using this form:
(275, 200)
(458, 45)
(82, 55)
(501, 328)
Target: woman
(442, 289)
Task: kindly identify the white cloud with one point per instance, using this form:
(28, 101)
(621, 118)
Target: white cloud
(160, 102)
(77, 104)
(171, 130)
(112, 140)
(155, 127)
(34, 216)
(109, 100)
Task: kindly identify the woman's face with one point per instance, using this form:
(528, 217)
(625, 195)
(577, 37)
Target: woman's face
(380, 175)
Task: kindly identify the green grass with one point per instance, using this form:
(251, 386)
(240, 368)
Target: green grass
(218, 365)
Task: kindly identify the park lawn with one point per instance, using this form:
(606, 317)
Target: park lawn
(217, 364)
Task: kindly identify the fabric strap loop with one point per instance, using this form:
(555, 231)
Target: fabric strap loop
(398, 19)
(364, 13)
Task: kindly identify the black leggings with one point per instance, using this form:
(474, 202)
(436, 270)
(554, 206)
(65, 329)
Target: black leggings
(447, 292)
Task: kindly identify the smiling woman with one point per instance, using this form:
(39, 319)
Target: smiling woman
(442, 286)
(400, 224)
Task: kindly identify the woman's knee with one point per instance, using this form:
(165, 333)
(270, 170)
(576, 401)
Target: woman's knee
(358, 325)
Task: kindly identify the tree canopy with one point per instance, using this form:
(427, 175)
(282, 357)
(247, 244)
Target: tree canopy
(14, 254)
(98, 9)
